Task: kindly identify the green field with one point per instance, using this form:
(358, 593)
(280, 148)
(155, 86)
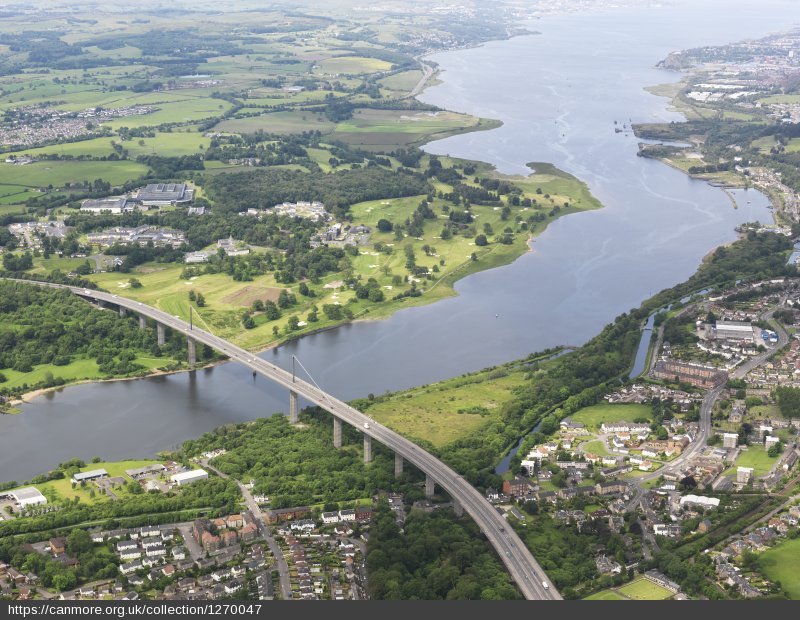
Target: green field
(596, 447)
(387, 129)
(403, 81)
(58, 173)
(780, 564)
(351, 64)
(644, 590)
(606, 595)
(447, 411)
(79, 370)
(278, 122)
(757, 458)
(595, 415)
(188, 110)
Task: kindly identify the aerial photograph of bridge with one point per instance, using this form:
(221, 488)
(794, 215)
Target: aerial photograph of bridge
(401, 300)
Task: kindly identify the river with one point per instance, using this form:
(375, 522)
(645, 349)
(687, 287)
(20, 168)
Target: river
(558, 94)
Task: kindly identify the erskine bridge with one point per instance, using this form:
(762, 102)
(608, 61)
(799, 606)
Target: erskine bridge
(526, 572)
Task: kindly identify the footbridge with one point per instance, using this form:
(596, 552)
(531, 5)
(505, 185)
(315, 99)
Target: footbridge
(523, 568)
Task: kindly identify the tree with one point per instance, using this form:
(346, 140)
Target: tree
(481, 240)
(293, 323)
(271, 311)
(78, 542)
(134, 283)
(385, 225)
(201, 300)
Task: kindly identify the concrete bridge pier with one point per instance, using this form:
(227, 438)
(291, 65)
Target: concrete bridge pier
(123, 311)
(191, 347)
(337, 433)
(293, 407)
(398, 465)
(367, 449)
(142, 322)
(161, 334)
(429, 486)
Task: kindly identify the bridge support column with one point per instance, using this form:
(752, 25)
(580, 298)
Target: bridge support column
(161, 334)
(367, 449)
(398, 465)
(458, 508)
(142, 322)
(191, 347)
(429, 486)
(337, 433)
(123, 311)
(293, 407)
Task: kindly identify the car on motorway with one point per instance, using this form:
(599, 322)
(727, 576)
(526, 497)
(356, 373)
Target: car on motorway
(87, 291)
(545, 586)
(366, 425)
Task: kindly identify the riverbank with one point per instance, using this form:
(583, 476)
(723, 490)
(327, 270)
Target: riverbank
(29, 397)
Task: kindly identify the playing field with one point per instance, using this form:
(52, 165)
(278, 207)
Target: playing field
(595, 415)
(780, 563)
(644, 590)
(606, 595)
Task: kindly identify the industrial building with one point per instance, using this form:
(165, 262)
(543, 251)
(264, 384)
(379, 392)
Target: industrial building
(693, 374)
(738, 331)
(89, 475)
(187, 477)
(113, 204)
(28, 496)
(160, 194)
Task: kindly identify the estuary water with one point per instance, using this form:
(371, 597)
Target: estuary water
(558, 94)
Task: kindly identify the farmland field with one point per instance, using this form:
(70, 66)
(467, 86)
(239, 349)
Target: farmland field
(352, 64)
(58, 173)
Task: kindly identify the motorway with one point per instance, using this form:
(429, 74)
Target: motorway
(531, 580)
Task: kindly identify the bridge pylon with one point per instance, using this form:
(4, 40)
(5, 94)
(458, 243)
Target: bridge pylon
(191, 348)
(293, 417)
(367, 449)
(161, 334)
(337, 433)
(430, 486)
(398, 465)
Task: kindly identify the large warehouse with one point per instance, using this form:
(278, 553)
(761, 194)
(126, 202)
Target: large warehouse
(29, 496)
(158, 194)
(734, 330)
(187, 477)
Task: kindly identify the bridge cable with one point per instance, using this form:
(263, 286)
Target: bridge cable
(324, 394)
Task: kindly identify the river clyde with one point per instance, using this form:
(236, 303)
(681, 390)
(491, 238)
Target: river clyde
(558, 94)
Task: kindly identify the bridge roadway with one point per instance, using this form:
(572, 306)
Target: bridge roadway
(519, 561)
